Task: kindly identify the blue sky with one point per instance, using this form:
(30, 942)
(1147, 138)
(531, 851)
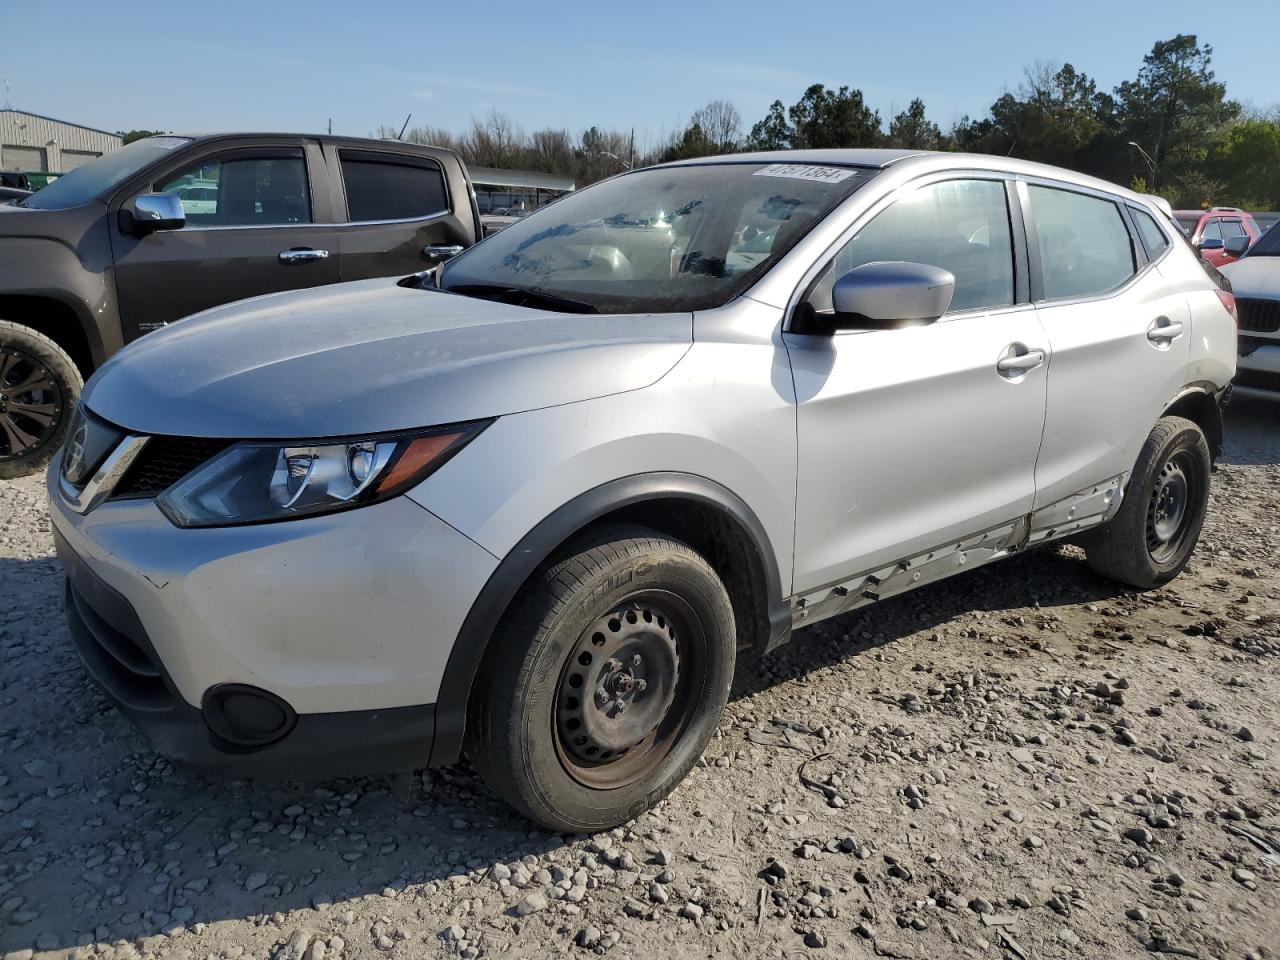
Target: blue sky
(293, 66)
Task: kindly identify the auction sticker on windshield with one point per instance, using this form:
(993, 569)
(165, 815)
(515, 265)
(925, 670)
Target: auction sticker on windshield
(806, 171)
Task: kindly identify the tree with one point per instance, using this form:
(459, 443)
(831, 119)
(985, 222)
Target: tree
(911, 130)
(833, 118)
(1248, 162)
(721, 125)
(773, 132)
(132, 135)
(1056, 114)
(1174, 109)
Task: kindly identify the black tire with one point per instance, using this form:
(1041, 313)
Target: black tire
(39, 389)
(1151, 537)
(623, 591)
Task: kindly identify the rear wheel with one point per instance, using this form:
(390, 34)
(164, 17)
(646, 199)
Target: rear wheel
(1152, 535)
(39, 387)
(604, 682)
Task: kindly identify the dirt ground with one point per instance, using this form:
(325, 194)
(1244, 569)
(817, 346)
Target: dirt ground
(1025, 761)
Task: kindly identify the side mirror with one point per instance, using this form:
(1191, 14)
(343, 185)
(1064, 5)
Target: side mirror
(883, 294)
(1210, 243)
(1236, 246)
(150, 212)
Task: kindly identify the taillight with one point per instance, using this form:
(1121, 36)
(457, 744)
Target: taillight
(1229, 304)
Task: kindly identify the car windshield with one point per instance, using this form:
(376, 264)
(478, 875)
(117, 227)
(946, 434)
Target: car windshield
(1268, 245)
(655, 241)
(96, 177)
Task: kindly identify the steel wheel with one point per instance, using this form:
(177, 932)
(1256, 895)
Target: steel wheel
(625, 693)
(1169, 517)
(31, 403)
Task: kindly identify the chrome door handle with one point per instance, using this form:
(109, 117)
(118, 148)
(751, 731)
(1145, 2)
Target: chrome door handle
(1164, 329)
(301, 256)
(442, 251)
(1020, 362)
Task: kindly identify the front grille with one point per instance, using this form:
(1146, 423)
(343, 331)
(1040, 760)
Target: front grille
(1258, 379)
(1259, 316)
(163, 462)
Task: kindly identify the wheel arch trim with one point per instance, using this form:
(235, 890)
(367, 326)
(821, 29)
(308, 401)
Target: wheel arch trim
(1204, 397)
(524, 558)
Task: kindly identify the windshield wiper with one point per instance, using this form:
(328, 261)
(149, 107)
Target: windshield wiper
(522, 297)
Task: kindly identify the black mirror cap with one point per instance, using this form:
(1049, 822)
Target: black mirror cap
(1237, 246)
(886, 294)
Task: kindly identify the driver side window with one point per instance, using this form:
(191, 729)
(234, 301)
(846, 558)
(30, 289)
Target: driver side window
(242, 191)
(958, 225)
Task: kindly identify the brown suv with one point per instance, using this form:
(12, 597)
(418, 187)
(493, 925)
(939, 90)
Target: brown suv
(172, 225)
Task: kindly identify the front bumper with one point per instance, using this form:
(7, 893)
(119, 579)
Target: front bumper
(347, 620)
(1258, 372)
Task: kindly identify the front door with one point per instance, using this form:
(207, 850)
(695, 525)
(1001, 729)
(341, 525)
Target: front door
(249, 231)
(912, 439)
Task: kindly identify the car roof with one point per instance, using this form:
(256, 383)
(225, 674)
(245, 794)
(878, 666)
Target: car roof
(925, 161)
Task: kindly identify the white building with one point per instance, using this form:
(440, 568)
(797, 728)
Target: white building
(30, 142)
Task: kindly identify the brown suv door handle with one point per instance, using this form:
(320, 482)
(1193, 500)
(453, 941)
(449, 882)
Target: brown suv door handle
(1164, 330)
(302, 255)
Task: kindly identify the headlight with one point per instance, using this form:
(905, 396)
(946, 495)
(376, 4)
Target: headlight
(257, 482)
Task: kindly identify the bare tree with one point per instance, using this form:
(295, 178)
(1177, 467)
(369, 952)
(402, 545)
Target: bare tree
(720, 123)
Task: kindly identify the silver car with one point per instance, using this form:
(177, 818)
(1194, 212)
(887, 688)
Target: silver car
(532, 506)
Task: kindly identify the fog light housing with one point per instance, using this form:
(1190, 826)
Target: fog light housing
(245, 716)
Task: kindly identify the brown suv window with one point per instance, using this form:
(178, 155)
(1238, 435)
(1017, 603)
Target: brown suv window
(382, 188)
(243, 192)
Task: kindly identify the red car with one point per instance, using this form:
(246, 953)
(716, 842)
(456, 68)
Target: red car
(1212, 232)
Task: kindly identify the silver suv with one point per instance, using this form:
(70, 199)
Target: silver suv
(532, 505)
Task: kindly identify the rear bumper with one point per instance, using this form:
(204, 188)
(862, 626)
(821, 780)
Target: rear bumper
(122, 661)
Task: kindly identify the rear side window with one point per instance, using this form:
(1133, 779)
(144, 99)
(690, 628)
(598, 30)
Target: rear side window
(1153, 238)
(388, 189)
(1085, 247)
(1233, 228)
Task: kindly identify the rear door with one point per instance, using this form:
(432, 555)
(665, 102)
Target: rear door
(1118, 335)
(250, 229)
(401, 211)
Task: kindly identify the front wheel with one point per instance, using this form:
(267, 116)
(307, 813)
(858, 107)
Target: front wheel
(1152, 535)
(39, 387)
(604, 682)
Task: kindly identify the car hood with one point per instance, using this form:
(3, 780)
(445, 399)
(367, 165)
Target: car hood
(1254, 277)
(372, 356)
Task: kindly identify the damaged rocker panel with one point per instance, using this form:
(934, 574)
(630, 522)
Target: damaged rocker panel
(1087, 508)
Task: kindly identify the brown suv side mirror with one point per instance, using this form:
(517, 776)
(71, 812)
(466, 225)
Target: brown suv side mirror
(149, 212)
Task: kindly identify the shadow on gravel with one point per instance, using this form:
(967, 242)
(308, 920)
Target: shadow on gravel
(1250, 427)
(1046, 577)
(102, 840)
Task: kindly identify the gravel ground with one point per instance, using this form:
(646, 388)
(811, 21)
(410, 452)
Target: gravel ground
(1025, 761)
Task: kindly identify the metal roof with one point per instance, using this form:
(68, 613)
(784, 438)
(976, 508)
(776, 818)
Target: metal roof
(65, 123)
(495, 177)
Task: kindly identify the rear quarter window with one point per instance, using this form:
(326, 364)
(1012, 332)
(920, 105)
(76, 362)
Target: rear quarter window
(1153, 237)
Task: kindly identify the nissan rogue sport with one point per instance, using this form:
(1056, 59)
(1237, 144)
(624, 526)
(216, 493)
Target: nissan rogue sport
(532, 504)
